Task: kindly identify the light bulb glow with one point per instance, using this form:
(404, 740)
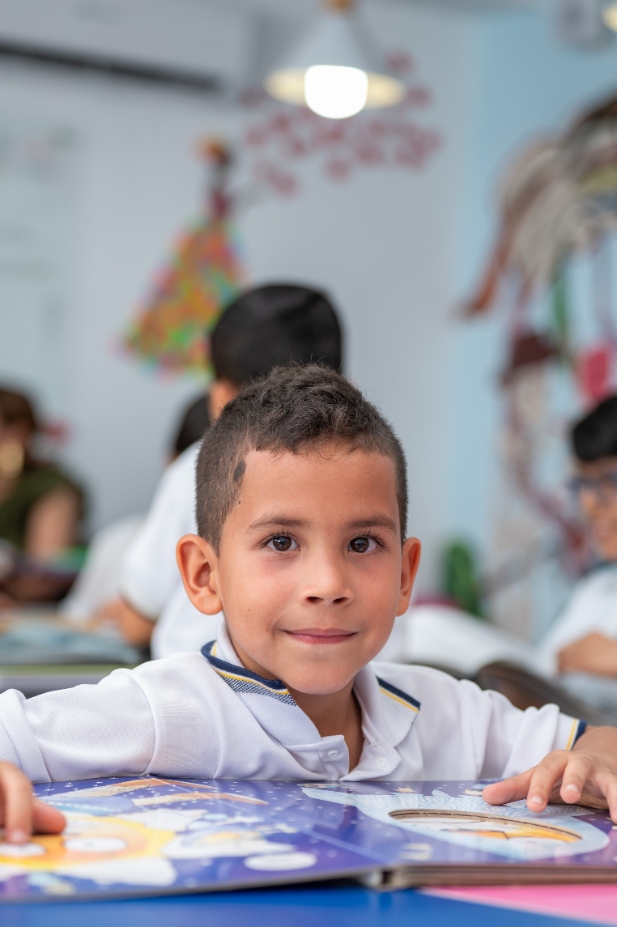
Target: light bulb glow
(609, 15)
(335, 92)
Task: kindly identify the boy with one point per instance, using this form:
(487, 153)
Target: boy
(584, 637)
(301, 510)
(262, 328)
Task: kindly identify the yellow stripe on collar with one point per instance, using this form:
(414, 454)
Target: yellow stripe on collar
(399, 700)
(250, 681)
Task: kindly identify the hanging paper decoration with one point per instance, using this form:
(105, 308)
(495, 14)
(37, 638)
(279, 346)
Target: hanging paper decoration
(203, 274)
(283, 136)
(557, 201)
(558, 197)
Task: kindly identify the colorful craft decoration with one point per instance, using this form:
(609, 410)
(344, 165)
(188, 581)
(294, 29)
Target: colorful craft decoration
(203, 274)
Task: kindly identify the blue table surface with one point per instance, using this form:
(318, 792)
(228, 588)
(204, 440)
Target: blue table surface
(298, 906)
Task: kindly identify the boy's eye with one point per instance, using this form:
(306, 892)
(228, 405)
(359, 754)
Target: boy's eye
(282, 543)
(362, 545)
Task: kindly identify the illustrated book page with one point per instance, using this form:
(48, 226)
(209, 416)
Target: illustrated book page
(151, 835)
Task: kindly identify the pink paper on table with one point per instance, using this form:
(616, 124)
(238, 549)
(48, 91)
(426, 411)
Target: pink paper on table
(594, 903)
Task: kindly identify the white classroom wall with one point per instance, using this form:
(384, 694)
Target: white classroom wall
(383, 243)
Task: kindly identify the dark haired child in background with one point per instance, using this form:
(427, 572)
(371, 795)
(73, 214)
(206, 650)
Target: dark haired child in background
(41, 507)
(302, 505)
(582, 644)
(264, 327)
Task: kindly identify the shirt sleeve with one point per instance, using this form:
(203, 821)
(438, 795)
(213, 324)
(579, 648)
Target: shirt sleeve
(79, 733)
(464, 732)
(164, 718)
(149, 572)
(508, 741)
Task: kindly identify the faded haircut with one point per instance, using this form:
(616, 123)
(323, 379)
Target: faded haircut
(595, 435)
(293, 409)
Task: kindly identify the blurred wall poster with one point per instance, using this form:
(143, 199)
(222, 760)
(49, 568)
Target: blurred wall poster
(38, 186)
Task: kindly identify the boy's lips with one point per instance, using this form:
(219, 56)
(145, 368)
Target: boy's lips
(321, 635)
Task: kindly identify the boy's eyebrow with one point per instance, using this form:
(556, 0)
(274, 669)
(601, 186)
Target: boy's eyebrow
(373, 521)
(360, 524)
(277, 521)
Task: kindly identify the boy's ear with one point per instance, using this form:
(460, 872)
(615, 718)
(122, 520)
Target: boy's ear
(411, 561)
(198, 565)
(219, 394)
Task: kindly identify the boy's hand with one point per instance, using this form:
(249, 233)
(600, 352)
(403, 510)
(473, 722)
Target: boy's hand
(20, 812)
(593, 653)
(586, 775)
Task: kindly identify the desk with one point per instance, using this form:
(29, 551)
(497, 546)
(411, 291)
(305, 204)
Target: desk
(36, 679)
(322, 905)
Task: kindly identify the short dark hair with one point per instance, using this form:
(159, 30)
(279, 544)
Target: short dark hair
(274, 325)
(293, 408)
(595, 435)
(17, 408)
(194, 422)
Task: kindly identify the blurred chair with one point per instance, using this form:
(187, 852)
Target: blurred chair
(527, 690)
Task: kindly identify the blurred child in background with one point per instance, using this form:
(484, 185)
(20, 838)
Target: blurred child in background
(41, 507)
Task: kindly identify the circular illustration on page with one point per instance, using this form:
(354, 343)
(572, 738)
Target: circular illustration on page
(466, 820)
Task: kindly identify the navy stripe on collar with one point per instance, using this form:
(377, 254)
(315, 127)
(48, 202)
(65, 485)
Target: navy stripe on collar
(243, 680)
(398, 694)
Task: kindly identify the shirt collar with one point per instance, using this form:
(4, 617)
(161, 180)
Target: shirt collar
(388, 712)
(222, 657)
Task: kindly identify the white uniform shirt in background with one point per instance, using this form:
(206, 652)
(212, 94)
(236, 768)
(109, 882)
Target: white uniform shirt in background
(151, 580)
(592, 606)
(99, 580)
(451, 638)
(205, 715)
(150, 572)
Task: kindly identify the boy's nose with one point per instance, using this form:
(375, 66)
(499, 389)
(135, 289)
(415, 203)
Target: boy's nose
(326, 582)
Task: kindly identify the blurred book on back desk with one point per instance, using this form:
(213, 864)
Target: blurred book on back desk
(41, 651)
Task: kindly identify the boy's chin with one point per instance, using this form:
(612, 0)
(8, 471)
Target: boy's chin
(309, 685)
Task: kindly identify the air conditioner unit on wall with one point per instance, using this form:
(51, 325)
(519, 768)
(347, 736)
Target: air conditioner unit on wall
(191, 42)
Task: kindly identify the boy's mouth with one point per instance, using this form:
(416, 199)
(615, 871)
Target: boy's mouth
(321, 635)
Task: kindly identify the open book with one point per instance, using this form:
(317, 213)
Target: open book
(150, 835)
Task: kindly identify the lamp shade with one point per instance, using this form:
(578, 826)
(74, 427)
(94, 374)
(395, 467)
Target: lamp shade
(335, 70)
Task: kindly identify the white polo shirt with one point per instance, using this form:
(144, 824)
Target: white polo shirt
(592, 606)
(203, 714)
(150, 580)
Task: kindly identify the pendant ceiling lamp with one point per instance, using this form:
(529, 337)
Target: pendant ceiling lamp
(609, 15)
(334, 70)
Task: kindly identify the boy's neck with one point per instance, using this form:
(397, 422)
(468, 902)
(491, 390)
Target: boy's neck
(332, 714)
(338, 713)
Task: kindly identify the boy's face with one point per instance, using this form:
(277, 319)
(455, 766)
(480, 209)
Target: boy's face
(310, 571)
(597, 498)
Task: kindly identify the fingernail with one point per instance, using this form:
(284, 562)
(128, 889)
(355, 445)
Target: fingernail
(571, 788)
(535, 800)
(18, 836)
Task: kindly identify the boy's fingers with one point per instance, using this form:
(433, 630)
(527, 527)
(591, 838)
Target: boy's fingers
(499, 793)
(545, 775)
(17, 794)
(608, 786)
(577, 772)
(601, 792)
(47, 820)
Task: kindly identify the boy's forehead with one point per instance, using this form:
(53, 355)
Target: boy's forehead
(319, 457)
(336, 472)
